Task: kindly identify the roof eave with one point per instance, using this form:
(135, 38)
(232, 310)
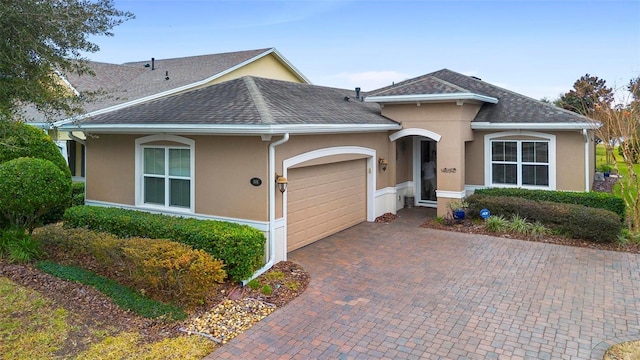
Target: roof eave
(533, 126)
(431, 98)
(213, 129)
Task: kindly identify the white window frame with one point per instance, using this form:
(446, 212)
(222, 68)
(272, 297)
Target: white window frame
(145, 143)
(518, 137)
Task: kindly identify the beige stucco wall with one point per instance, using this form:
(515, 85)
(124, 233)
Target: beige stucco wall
(452, 122)
(224, 167)
(110, 168)
(569, 159)
(404, 160)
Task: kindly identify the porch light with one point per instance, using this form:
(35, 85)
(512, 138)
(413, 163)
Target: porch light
(383, 164)
(281, 182)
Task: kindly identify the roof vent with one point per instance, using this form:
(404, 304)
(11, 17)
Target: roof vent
(346, 98)
(477, 78)
(147, 65)
(153, 63)
(166, 75)
(357, 93)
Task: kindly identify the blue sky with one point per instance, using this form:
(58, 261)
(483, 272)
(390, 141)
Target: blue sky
(537, 48)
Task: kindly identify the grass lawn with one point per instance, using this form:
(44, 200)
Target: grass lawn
(622, 170)
(33, 327)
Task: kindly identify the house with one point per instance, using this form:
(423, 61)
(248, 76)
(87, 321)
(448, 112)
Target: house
(301, 162)
(115, 86)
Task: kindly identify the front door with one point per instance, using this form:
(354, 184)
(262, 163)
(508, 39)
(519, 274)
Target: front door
(425, 172)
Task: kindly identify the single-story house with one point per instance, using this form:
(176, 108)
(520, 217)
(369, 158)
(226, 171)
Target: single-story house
(301, 162)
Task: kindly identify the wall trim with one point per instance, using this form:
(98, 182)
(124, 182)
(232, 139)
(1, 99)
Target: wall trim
(450, 194)
(260, 225)
(417, 132)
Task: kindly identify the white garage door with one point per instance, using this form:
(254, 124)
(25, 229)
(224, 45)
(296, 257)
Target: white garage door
(325, 199)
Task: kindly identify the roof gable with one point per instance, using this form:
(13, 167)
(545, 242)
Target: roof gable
(509, 107)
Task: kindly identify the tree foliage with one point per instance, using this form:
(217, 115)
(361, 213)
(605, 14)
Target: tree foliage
(41, 39)
(587, 92)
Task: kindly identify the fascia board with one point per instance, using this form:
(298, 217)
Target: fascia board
(232, 129)
(430, 98)
(533, 126)
(290, 65)
(167, 92)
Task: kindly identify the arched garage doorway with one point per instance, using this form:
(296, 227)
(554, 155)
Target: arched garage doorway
(329, 190)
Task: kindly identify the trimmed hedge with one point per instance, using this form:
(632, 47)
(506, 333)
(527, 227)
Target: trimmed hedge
(77, 194)
(241, 247)
(164, 270)
(32, 192)
(577, 221)
(592, 199)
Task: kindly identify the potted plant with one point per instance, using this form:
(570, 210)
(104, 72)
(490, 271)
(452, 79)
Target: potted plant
(458, 208)
(605, 169)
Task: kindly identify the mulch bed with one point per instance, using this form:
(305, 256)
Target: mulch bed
(90, 310)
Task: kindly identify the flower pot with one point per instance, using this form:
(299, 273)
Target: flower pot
(458, 214)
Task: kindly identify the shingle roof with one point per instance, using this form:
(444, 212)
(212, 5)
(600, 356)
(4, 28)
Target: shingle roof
(511, 107)
(118, 84)
(131, 81)
(250, 101)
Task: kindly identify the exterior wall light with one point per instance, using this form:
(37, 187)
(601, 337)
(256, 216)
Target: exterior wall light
(281, 182)
(382, 163)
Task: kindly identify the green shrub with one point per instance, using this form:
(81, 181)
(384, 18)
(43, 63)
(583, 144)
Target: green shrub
(266, 290)
(31, 189)
(496, 223)
(122, 296)
(592, 199)
(18, 246)
(164, 270)
(240, 247)
(77, 194)
(22, 140)
(572, 220)
(518, 225)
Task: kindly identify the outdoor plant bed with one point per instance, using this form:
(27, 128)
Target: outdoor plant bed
(476, 226)
(93, 316)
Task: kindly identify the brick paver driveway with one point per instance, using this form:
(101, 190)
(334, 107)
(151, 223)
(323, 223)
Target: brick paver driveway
(398, 291)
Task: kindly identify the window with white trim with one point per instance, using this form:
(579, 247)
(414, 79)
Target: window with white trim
(520, 163)
(166, 176)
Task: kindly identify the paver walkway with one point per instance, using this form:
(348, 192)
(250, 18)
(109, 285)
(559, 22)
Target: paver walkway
(398, 291)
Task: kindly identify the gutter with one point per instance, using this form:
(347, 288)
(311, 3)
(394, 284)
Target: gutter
(585, 133)
(272, 208)
(431, 97)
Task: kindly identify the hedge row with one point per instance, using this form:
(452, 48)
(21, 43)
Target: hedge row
(77, 194)
(163, 270)
(241, 247)
(577, 221)
(592, 199)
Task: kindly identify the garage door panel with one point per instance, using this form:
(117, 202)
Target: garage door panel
(323, 200)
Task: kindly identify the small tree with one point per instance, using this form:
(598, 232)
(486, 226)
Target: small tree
(42, 38)
(621, 122)
(30, 188)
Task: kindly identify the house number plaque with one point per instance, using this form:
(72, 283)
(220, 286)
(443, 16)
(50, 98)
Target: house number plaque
(448, 170)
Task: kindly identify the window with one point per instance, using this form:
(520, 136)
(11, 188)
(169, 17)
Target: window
(166, 174)
(520, 163)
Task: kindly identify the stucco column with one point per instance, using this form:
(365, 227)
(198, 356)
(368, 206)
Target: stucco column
(451, 170)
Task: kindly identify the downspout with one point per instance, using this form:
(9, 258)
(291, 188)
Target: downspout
(585, 133)
(272, 207)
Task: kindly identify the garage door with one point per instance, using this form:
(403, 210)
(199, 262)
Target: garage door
(325, 199)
